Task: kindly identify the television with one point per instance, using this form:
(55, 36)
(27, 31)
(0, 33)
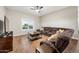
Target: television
(1, 26)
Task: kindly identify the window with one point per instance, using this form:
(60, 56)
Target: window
(27, 24)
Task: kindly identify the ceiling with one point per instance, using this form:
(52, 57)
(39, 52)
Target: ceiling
(44, 11)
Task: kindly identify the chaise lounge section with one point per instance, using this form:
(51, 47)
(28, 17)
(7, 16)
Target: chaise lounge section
(55, 47)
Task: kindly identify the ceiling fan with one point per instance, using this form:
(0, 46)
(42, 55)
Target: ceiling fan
(37, 8)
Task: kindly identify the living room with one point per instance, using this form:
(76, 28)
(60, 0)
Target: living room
(22, 20)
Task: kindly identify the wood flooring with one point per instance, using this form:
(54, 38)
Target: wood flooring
(21, 44)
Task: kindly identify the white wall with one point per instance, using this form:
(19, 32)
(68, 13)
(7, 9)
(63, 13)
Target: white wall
(15, 19)
(78, 18)
(77, 49)
(63, 18)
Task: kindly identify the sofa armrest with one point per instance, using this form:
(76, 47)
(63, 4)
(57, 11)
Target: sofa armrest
(50, 44)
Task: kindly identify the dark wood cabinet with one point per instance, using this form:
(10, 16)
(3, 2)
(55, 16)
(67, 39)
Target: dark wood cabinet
(6, 42)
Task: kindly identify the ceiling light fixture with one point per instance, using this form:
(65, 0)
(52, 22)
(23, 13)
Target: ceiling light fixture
(37, 8)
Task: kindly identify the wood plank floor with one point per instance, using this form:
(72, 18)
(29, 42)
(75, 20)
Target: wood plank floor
(21, 44)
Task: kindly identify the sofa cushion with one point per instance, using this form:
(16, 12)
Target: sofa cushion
(55, 36)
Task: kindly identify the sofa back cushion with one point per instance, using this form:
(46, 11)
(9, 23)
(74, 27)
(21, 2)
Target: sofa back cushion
(52, 30)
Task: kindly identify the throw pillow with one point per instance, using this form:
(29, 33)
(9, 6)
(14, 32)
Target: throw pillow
(54, 37)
